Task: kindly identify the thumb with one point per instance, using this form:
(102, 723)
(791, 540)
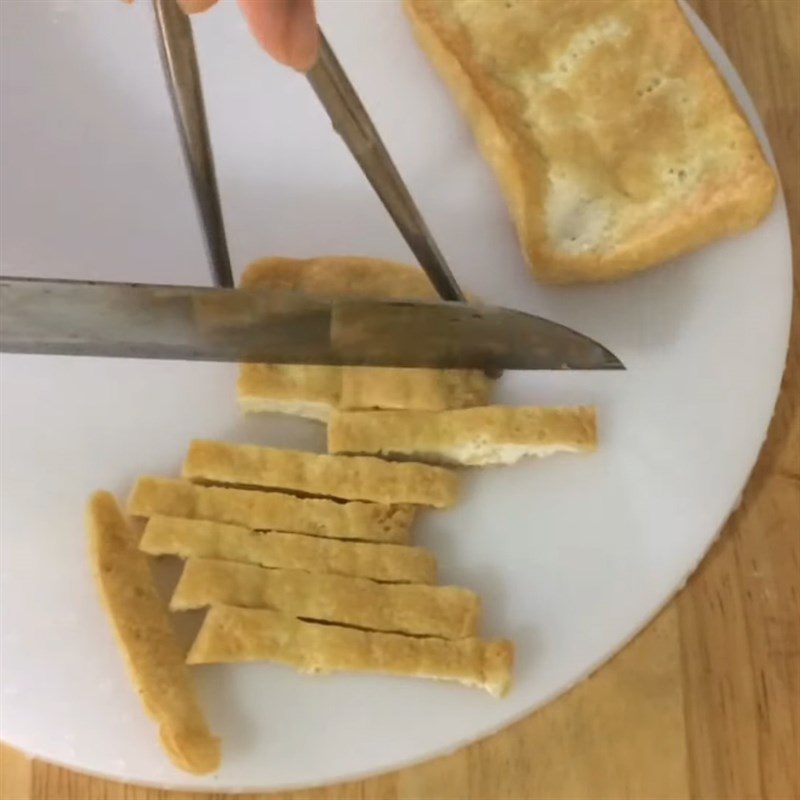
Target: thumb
(286, 29)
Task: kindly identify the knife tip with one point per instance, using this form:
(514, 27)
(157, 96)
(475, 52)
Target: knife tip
(612, 362)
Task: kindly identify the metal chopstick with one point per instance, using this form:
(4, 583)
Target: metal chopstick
(178, 57)
(351, 121)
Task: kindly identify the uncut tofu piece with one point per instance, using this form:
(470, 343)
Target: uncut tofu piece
(613, 137)
(345, 477)
(470, 436)
(242, 634)
(312, 391)
(446, 611)
(271, 510)
(197, 538)
(153, 656)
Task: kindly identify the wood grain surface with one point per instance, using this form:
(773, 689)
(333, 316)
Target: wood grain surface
(705, 703)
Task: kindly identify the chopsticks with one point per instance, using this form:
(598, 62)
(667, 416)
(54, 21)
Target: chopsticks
(349, 117)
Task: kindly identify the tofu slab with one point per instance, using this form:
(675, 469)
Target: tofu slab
(242, 634)
(153, 656)
(194, 538)
(614, 139)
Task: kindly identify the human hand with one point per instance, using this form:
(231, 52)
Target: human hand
(286, 29)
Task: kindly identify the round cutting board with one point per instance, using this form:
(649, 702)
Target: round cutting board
(572, 555)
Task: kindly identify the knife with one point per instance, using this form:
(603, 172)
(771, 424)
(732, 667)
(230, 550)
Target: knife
(209, 324)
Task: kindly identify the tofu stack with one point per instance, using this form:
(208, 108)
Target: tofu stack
(305, 559)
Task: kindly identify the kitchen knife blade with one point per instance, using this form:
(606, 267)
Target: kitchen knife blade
(209, 324)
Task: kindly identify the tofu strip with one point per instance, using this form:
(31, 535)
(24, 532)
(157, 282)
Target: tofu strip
(242, 634)
(140, 620)
(446, 611)
(469, 436)
(271, 511)
(345, 477)
(193, 538)
(314, 391)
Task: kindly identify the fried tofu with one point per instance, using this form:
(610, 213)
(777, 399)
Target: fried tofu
(469, 436)
(313, 391)
(449, 612)
(243, 634)
(271, 510)
(194, 538)
(153, 656)
(614, 139)
(344, 477)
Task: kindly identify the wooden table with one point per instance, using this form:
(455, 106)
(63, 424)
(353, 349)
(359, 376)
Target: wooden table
(705, 703)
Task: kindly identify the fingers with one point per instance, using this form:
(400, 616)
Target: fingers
(286, 29)
(195, 6)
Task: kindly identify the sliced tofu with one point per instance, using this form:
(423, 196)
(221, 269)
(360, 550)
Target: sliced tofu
(446, 611)
(242, 634)
(195, 538)
(470, 436)
(313, 391)
(348, 478)
(140, 620)
(271, 510)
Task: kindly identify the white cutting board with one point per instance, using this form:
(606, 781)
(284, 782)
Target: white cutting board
(572, 555)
